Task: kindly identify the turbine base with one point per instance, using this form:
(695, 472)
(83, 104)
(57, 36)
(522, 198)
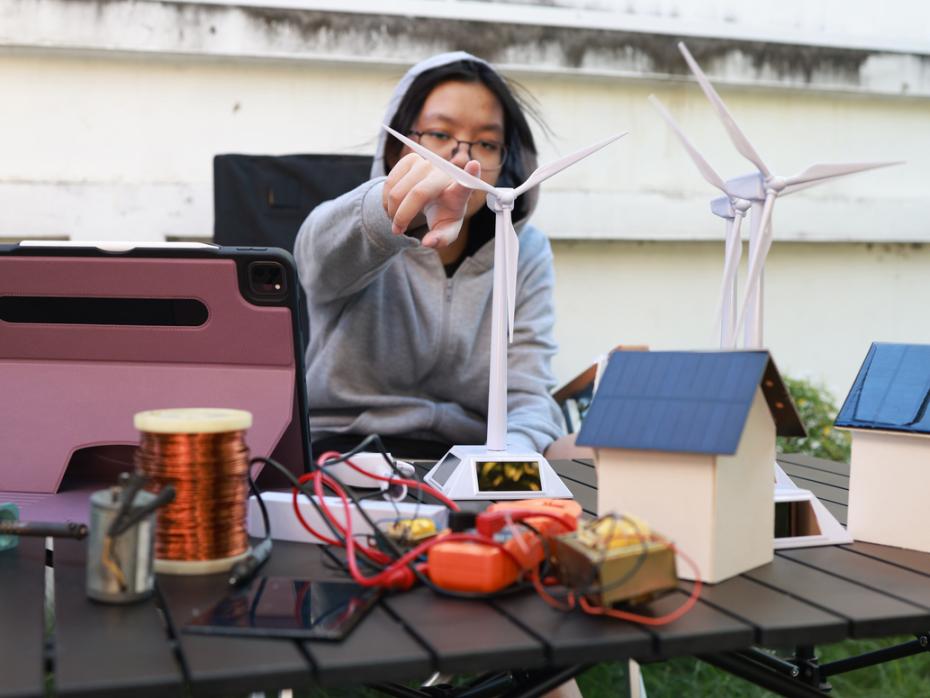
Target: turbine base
(478, 473)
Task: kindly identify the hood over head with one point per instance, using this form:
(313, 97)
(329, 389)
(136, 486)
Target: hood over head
(378, 168)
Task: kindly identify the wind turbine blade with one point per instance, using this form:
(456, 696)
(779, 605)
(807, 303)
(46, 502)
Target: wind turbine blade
(541, 174)
(703, 166)
(452, 170)
(726, 311)
(792, 188)
(729, 123)
(511, 255)
(829, 170)
(757, 262)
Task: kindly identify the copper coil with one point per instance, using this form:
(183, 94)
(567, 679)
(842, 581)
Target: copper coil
(207, 519)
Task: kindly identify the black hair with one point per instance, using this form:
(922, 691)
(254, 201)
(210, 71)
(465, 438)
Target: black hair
(517, 134)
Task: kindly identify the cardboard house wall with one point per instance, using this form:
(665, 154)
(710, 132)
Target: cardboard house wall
(889, 477)
(719, 510)
(717, 507)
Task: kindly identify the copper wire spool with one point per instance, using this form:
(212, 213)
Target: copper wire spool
(202, 453)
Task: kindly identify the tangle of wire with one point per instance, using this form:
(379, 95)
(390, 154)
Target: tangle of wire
(397, 568)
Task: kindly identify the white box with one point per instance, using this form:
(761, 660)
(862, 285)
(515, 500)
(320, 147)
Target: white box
(285, 526)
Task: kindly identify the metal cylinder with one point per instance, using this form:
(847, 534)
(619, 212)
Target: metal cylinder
(119, 570)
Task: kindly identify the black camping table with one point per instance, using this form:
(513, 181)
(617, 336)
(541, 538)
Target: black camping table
(804, 597)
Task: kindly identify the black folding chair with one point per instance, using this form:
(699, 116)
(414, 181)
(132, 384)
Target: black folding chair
(261, 200)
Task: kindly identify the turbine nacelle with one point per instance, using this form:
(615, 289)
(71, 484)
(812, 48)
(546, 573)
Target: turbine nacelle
(502, 198)
(776, 184)
(751, 187)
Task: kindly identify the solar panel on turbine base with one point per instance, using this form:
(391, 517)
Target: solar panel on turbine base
(476, 473)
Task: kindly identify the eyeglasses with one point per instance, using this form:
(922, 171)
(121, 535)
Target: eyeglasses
(490, 154)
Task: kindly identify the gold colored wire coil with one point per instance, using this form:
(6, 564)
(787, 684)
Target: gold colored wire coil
(207, 519)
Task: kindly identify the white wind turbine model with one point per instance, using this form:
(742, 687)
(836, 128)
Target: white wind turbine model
(492, 471)
(732, 209)
(762, 188)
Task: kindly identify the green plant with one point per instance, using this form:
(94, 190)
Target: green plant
(818, 409)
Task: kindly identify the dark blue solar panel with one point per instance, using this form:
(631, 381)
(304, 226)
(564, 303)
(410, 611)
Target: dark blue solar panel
(695, 402)
(891, 391)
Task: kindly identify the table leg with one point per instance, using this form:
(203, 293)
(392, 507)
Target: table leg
(761, 675)
(635, 678)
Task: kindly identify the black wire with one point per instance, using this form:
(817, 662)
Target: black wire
(245, 569)
(544, 568)
(547, 551)
(266, 520)
(377, 532)
(299, 486)
(380, 535)
(371, 438)
(310, 495)
(388, 458)
(349, 492)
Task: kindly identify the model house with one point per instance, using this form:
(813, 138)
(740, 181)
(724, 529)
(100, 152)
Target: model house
(889, 476)
(686, 441)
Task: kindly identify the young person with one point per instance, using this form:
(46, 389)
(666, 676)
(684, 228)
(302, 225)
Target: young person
(398, 275)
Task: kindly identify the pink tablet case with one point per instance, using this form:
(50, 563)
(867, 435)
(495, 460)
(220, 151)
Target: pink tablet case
(64, 387)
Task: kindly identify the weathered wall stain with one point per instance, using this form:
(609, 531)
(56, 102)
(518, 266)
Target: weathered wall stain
(577, 47)
(295, 32)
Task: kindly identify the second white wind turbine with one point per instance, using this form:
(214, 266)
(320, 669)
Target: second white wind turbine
(762, 188)
(732, 209)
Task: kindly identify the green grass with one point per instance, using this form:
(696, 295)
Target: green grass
(902, 678)
(685, 677)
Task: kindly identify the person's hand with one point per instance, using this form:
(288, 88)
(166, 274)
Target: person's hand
(414, 186)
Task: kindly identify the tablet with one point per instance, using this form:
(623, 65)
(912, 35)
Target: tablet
(91, 333)
(288, 608)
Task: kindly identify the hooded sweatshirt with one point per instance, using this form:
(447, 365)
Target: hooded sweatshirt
(397, 348)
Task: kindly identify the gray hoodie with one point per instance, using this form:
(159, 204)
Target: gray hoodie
(396, 347)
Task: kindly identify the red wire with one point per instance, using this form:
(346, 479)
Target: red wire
(303, 522)
(652, 620)
(416, 484)
(569, 603)
(319, 479)
(389, 575)
(370, 553)
(393, 573)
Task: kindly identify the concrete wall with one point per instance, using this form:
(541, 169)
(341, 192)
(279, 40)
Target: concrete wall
(825, 302)
(113, 110)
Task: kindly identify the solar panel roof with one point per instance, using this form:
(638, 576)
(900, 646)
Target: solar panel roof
(891, 391)
(694, 402)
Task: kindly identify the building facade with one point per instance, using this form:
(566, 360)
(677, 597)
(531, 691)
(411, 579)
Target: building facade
(113, 109)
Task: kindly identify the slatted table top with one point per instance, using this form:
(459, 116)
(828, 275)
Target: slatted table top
(808, 596)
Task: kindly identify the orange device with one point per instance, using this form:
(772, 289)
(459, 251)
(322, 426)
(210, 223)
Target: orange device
(465, 566)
